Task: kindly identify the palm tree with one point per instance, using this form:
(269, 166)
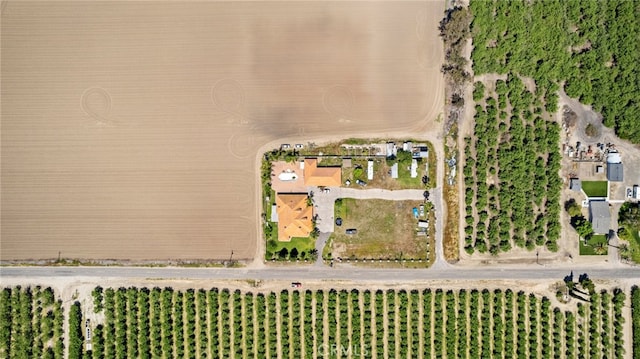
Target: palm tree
(623, 250)
(290, 156)
(600, 249)
(313, 254)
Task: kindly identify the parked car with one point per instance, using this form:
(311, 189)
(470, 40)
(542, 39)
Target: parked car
(338, 221)
(285, 146)
(296, 285)
(362, 183)
(351, 231)
(299, 146)
(415, 212)
(421, 210)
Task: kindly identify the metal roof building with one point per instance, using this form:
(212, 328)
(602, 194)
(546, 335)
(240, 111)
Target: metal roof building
(575, 184)
(615, 172)
(600, 216)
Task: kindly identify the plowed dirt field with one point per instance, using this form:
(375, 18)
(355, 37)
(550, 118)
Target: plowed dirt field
(131, 130)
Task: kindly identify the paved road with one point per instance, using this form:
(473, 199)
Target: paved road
(299, 273)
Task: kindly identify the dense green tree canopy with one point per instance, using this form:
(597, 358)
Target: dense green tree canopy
(589, 47)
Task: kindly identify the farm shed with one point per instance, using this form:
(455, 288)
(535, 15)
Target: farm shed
(615, 172)
(600, 216)
(575, 184)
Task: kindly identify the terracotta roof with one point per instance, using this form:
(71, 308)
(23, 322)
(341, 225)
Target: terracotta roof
(321, 176)
(294, 216)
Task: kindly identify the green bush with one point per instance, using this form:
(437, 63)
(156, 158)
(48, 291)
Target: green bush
(76, 337)
(97, 299)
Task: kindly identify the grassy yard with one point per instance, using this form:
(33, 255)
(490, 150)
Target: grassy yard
(595, 188)
(634, 245)
(386, 230)
(302, 246)
(596, 245)
(382, 174)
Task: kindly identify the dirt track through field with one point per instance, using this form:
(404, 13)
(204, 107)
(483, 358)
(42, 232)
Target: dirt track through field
(130, 130)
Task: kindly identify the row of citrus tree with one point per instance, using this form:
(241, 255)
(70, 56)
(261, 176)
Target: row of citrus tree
(510, 173)
(156, 323)
(30, 323)
(393, 323)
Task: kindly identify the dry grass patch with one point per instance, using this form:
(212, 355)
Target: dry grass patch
(450, 243)
(450, 195)
(386, 229)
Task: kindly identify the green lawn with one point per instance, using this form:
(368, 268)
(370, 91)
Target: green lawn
(634, 245)
(596, 245)
(302, 245)
(342, 205)
(595, 188)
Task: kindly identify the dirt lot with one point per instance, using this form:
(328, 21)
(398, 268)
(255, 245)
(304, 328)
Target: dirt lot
(130, 129)
(630, 153)
(386, 229)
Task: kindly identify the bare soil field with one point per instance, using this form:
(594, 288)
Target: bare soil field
(130, 130)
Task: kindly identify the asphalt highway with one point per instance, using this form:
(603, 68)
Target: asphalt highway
(320, 273)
